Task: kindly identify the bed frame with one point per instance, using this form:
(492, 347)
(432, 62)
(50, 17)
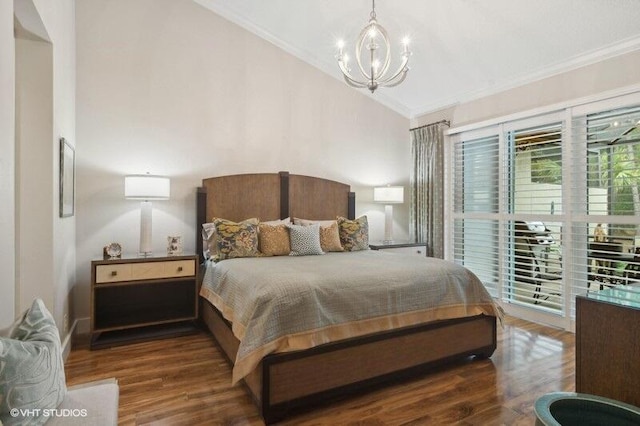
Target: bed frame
(290, 381)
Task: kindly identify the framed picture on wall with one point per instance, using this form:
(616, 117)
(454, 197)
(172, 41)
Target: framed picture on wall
(67, 178)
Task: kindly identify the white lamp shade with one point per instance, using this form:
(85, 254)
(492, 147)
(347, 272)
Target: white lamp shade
(388, 194)
(146, 187)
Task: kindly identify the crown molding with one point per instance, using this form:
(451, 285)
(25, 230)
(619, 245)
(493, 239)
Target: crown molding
(598, 55)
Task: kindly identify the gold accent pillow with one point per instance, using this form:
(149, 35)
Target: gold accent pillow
(330, 238)
(235, 239)
(273, 240)
(354, 234)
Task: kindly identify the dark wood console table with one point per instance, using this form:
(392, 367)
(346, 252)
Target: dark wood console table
(608, 344)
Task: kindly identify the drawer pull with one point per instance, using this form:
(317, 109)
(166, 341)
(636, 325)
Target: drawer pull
(114, 273)
(419, 251)
(179, 268)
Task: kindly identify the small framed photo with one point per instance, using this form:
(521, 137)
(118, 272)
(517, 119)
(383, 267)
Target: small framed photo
(67, 178)
(174, 245)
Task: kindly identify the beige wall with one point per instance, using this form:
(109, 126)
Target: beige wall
(7, 166)
(170, 88)
(600, 77)
(34, 151)
(55, 253)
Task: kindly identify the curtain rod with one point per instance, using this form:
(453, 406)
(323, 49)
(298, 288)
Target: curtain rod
(446, 122)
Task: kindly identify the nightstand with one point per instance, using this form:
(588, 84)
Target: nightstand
(142, 298)
(418, 249)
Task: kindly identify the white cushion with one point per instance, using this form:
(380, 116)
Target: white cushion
(93, 403)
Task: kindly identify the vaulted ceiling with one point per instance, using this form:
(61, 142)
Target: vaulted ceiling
(462, 49)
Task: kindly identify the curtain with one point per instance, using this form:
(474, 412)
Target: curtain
(427, 188)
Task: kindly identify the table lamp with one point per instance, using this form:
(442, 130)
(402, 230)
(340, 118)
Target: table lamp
(146, 188)
(388, 195)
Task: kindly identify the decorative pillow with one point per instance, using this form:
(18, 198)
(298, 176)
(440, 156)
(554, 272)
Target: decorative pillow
(305, 240)
(235, 239)
(330, 238)
(31, 368)
(307, 222)
(209, 240)
(273, 240)
(284, 221)
(354, 234)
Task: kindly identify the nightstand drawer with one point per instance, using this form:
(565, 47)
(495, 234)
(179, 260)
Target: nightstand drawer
(113, 273)
(180, 268)
(144, 271)
(417, 251)
(169, 269)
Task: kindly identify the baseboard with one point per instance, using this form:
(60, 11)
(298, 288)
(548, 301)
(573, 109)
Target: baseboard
(84, 326)
(79, 327)
(66, 343)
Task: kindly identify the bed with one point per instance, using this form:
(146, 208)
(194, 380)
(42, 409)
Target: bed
(301, 372)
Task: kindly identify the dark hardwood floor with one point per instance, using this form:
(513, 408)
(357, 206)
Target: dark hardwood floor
(187, 381)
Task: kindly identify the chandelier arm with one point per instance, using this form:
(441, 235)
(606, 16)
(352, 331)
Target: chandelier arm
(403, 75)
(401, 69)
(354, 83)
(348, 77)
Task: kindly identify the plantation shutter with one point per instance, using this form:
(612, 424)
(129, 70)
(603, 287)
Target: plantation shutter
(476, 203)
(605, 230)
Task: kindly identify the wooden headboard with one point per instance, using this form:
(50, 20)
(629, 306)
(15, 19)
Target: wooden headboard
(270, 196)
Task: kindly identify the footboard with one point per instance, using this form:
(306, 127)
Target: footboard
(294, 380)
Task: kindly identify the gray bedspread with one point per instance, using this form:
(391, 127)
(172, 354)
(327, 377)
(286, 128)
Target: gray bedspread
(285, 303)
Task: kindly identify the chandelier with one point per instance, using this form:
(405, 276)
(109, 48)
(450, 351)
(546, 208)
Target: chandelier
(374, 65)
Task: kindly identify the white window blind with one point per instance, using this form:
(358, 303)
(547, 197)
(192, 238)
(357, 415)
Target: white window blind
(476, 202)
(532, 237)
(606, 203)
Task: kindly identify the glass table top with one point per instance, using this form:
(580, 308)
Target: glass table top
(620, 295)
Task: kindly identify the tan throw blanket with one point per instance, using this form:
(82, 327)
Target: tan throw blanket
(285, 303)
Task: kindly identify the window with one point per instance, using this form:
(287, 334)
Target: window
(548, 207)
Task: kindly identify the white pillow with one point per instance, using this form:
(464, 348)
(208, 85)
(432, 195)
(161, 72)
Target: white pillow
(307, 222)
(31, 367)
(284, 221)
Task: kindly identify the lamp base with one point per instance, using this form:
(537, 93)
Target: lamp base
(387, 242)
(145, 229)
(388, 224)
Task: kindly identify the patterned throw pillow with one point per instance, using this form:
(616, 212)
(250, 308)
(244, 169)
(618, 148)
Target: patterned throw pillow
(354, 234)
(209, 237)
(31, 367)
(330, 238)
(235, 239)
(273, 240)
(305, 240)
